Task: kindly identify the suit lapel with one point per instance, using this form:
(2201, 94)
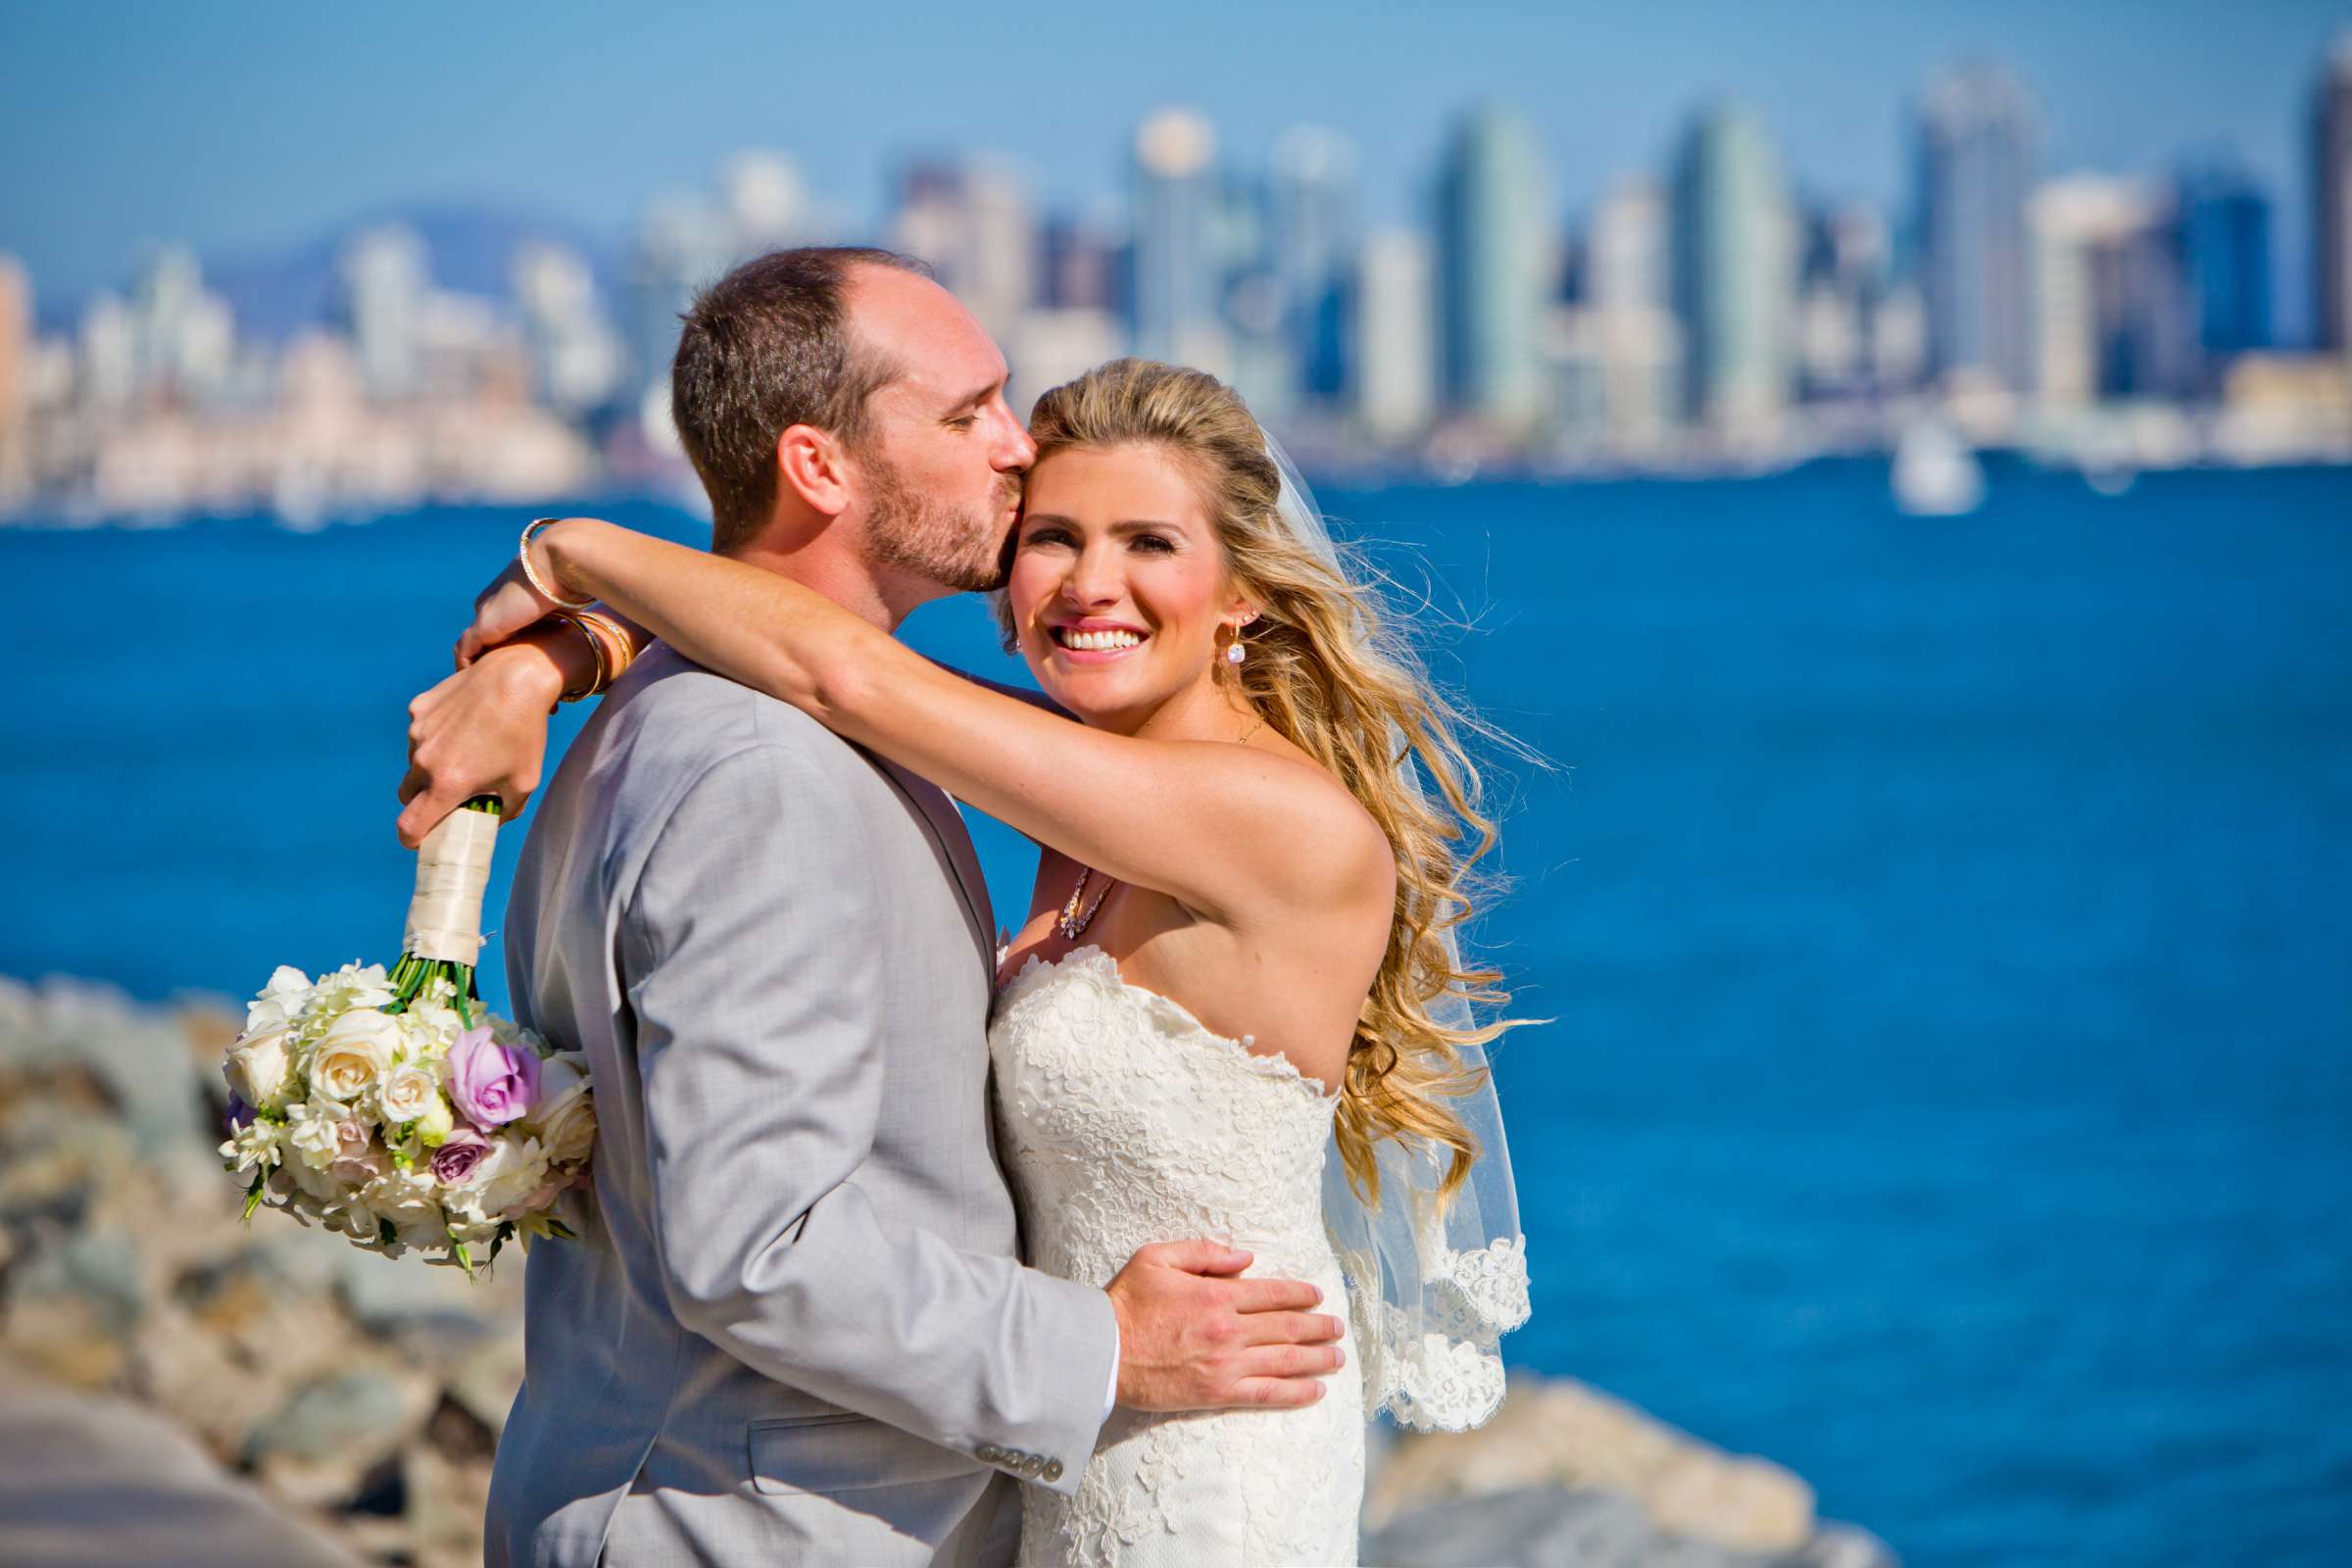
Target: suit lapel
(956, 842)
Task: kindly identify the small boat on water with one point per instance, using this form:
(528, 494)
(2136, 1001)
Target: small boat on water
(1935, 474)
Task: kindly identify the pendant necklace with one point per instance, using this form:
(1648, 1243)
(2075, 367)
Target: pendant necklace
(1075, 917)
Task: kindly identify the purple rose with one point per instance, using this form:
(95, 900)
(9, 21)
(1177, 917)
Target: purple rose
(459, 1155)
(492, 1084)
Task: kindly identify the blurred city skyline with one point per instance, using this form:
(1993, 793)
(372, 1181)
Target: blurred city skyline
(240, 133)
(1711, 305)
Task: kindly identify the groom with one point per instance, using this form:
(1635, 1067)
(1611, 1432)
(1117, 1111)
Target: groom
(794, 1327)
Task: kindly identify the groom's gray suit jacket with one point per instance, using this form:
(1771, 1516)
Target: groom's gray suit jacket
(793, 1328)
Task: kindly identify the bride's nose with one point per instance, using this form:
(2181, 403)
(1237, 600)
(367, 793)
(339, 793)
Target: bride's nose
(1094, 578)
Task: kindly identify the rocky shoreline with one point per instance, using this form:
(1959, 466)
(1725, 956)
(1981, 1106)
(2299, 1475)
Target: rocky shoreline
(177, 1375)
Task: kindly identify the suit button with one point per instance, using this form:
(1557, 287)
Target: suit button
(988, 1453)
(1052, 1470)
(1033, 1465)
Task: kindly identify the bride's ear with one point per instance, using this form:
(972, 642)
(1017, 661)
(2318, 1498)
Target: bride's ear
(812, 464)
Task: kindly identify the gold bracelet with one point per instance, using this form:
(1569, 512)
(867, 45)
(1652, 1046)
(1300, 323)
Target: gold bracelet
(530, 574)
(602, 677)
(623, 653)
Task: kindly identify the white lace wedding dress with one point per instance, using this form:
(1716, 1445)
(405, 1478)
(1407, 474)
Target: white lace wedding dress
(1124, 1121)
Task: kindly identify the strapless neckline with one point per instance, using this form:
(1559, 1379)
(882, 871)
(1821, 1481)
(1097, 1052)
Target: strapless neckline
(1172, 1015)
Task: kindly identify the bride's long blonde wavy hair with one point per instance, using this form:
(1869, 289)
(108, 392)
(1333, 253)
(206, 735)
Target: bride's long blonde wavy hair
(1329, 667)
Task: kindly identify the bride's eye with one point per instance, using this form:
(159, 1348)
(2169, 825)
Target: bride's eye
(1051, 534)
(1157, 544)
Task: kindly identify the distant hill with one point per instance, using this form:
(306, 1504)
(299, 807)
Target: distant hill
(275, 294)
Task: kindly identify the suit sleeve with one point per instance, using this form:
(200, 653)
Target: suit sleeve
(760, 953)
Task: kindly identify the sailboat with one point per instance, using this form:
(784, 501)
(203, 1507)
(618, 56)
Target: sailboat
(1935, 474)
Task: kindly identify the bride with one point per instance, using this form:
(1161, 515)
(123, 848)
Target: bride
(1238, 956)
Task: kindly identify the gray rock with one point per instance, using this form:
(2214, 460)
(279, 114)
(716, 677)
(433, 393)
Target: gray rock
(357, 1417)
(1533, 1527)
(1551, 1527)
(143, 1055)
(1846, 1547)
(94, 1483)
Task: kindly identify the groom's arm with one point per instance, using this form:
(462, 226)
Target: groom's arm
(758, 958)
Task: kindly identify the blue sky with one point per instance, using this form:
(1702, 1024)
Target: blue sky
(243, 128)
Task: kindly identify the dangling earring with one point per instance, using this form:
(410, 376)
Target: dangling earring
(1233, 650)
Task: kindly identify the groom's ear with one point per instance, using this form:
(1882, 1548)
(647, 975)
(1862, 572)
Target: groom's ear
(812, 464)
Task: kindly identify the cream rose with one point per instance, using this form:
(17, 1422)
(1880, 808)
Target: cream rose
(514, 1171)
(409, 1093)
(257, 1069)
(408, 1199)
(564, 1118)
(354, 1055)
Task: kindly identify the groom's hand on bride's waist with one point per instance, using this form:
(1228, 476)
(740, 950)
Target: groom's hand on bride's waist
(1196, 1336)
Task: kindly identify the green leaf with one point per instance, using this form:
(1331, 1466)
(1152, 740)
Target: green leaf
(253, 1195)
(456, 1249)
(556, 1227)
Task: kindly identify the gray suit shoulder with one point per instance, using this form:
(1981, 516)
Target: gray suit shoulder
(673, 720)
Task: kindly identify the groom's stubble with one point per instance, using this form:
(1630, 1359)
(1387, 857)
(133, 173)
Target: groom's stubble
(909, 530)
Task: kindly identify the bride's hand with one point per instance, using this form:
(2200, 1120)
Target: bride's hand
(482, 731)
(502, 612)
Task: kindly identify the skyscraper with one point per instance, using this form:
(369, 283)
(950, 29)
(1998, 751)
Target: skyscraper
(1626, 293)
(2114, 318)
(682, 246)
(575, 359)
(182, 339)
(1734, 270)
(2332, 202)
(1975, 173)
(1393, 360)
(1178, 240)
(2224, 240)
(1082, 263)
(15, 351)
(972, 222)
(1312, 237)
(1841, 280)
(383, 295)
(687, 242)
(765, 201)
(1495, 253)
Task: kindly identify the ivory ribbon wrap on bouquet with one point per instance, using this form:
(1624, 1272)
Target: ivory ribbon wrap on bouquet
(453, 868)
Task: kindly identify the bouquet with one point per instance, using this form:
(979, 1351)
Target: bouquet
(391, 1108)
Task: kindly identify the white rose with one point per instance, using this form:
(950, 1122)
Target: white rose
(409, 1093)
(563, 1117)
(315, 1136)
(515, 1169)
(407, 1198)
(319, 1186)
(256, 1069)
(357, 1049)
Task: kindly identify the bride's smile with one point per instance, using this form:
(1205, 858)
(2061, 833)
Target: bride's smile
(1118, 587)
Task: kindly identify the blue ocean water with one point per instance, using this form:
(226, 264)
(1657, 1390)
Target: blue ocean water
(1945, 925)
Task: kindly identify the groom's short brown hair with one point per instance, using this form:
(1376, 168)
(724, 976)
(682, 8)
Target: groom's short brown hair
(766, 348)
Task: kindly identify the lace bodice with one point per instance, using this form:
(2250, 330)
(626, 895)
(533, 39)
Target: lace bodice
(1124, 1121)
(1131, 1123)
